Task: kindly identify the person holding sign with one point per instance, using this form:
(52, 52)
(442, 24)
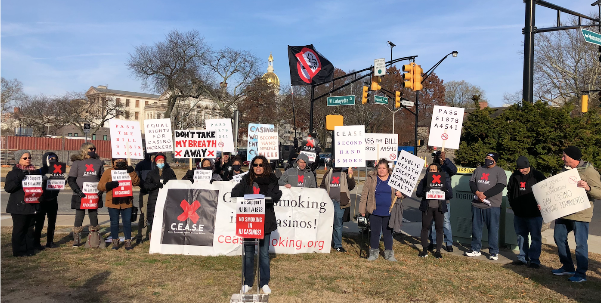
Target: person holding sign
(527, 220)
(338, 183)
(447, 166)
(435, 190)
(52, 176)
(299, 176)
(224, 166)
(376, 199)
(577, 222)
(160, 174)
(206, 164)
(83, 178)
(22, 203)
(118, 184)
(259, 180)
(487, 184)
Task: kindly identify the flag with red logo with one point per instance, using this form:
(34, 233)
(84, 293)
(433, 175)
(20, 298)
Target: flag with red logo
(307, 66)
(32, 186)
(189, 217)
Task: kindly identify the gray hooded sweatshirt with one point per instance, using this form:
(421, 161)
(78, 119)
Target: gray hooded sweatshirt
(299, 177)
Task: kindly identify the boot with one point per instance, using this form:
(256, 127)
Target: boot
(389, 255)
(373, 254)
(115, 244)
(128, 244)
(77, 236)
(94, 240)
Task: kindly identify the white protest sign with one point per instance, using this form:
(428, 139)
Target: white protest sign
(126, 139)
(223, 131)
(32, 181)
(253, 137)
(118, 175)
(55, 184)
(202, 175)
(310, 155)
(435, 194)
(445, 128)
(559, 196)
(268, 145)
(378, 146)
(158, 135)
(406, 173)
(350, 146)
(237, 178)
(90, 188)
(195, 144)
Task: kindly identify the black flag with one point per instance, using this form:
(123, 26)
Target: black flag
(308, 66)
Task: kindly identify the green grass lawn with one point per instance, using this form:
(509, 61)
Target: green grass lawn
(69, 274)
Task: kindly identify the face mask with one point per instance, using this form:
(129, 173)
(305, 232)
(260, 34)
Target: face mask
(92, 154)
(160, 165)
(489, 162)
(237, 167)
(120, 165)
(206, 168)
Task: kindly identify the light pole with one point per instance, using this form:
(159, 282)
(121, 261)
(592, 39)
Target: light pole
(392, 45)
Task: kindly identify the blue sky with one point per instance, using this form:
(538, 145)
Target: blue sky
(58, 46)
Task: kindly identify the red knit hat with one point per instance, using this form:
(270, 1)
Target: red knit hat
(159, 157)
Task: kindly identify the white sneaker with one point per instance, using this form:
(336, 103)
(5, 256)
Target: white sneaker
(245, 289)
(493, 257)
(266, 289)
(472, 253)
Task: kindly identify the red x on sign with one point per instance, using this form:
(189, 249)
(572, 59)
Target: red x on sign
(89, 167)
(189, 211)
(57, 169)
(436, 179)
(211, 153)
(485, 176)
(178, 153)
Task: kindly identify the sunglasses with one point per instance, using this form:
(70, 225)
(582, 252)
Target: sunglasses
(26, 158)
(259, 165)
(92, 149)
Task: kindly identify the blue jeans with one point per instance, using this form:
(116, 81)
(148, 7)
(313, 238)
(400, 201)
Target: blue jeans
(249, 262)
(448, 232)
(337, 231)
(490, 217)
(562, 228)
(524, 227)
(125, 216)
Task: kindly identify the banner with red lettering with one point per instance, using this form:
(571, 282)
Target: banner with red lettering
(126, 139)
(125, 188)
(90, 189)
(268, 145)
(195, 144)
(32, 186)
(250, 217)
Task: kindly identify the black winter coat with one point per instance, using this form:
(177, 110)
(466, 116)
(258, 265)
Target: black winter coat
(152, 184)
(14, 186)
(521, 199)
(273, 191)
(422, 189)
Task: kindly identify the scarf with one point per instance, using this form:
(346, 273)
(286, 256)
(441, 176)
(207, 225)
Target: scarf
(23, 167)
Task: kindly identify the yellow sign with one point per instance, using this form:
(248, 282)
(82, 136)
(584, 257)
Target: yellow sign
(465, 170)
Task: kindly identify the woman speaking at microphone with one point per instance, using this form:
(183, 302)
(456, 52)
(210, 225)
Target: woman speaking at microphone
(259, 180)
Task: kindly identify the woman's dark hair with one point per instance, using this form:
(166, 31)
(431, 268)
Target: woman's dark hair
(237, 158)
(385, 162)
(266, 169)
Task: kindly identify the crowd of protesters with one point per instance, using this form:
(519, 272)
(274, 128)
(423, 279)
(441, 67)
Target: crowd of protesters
(378, 201)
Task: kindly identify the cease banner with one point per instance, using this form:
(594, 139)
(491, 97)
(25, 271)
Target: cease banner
(406, 172)
(268, 145)
(559, 196)
(253, 137)
(195, 144)
(158, 135)
(445, 128)
(378, 146)
(126, 139)
(304, 217)
(223, 131)
(350, 146)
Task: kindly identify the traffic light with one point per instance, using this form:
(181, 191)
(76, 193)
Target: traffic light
(420, 143)
(408, 75)
(364, 96)
(375, 83)
(397, 100)
(584, 103)
(417, 77)
(413, 76)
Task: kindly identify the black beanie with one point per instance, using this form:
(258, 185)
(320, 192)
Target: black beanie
(573, 152)
(495, 156)
(522, 162)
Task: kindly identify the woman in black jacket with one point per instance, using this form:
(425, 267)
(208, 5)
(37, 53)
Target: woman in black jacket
(48, 201)
(23, 213)
(205, 164)
(433, 209)
(160, 174)
(259, 180)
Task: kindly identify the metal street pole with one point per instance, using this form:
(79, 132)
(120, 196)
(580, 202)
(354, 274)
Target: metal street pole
(311, 110)
(528, 82)
(416, 120)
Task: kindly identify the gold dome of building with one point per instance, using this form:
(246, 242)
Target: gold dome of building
(270, 76)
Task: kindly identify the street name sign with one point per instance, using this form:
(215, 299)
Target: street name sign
(380, 67)
(380, 100)
(591, 37)
(341, 100)
(407, 103)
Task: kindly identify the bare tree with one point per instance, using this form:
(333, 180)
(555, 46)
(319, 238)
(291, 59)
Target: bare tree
(460, 93)
(76, 109)
(12, 93)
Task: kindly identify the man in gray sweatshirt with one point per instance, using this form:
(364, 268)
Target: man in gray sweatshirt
(487, 184)
(299, 175)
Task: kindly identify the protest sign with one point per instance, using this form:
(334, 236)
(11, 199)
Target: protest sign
(268, 145)
(158, 135)
(195, 144)
(253, 138)
(350, 146)
(250, 217)
(559, 196)
(406, 173)
(304, 217)
(236, 178)
(202, 175)
(125, 188)
(445, 128)
(32, 186)
(310, 155)
(126, 139)
(223, 131)
(378, 146)
(90, 189)
(55, 184)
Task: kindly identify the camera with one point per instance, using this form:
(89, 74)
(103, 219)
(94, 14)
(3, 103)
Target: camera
(362, 222)
(436, 157)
